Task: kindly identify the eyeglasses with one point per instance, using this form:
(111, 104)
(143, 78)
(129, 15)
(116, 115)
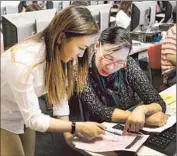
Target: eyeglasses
(112, 59)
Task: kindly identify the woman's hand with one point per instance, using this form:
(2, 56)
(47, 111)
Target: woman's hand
(158, 119)
(89, 130)
(135, 120)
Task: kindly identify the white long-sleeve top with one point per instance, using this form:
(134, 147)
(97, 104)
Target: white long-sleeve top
(21, 85)
(122, 20)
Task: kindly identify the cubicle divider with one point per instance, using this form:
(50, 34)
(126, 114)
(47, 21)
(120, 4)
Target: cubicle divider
(104, 11)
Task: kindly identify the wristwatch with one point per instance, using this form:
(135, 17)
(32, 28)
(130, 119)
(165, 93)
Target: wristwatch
(73, 127)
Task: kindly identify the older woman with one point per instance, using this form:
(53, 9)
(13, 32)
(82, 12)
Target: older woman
(116, 83)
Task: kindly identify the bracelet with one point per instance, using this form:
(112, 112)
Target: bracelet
(73, 127)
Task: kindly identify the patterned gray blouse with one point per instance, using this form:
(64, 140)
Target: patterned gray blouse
(134, 88)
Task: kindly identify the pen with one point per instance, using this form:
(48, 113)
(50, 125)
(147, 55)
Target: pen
(113, 132)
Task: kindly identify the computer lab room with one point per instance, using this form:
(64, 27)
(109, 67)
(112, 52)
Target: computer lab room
(88, 78)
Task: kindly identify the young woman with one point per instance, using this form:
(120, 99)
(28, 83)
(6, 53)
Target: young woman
(123, 16)
(43, 64)
(116, 83)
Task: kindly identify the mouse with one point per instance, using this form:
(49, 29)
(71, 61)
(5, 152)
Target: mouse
(126, 153)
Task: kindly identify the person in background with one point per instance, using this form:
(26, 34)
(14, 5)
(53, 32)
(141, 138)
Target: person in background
(116, 85)
(42, 64)
(123, 16)
(32, 7)
(81, 3)
(42, 4)
(168, 57)
(23, 7)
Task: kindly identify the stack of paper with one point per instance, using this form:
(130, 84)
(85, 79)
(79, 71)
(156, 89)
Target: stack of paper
(111, 142)
(171, 104)
(168, 98)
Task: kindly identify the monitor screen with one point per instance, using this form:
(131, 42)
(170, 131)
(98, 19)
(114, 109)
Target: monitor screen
(169, 8)
(143, 14)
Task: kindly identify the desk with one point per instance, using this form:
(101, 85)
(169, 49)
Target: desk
(144, 150)
(140, 48)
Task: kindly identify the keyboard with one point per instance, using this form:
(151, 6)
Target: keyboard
(164, 142)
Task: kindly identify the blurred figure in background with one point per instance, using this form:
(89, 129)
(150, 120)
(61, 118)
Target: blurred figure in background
(123, 16)
(33, 7)
(83, 3)
(23, 7)
(168, 57)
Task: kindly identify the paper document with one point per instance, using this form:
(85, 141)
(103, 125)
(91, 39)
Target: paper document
(170, 102)
(111, 142)
(168, 99)
(171, 121)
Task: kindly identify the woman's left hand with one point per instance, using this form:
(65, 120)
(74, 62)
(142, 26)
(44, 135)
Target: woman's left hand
(135, 120)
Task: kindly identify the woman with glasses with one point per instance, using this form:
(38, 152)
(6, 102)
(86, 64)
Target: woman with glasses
(43, 64)
(116, 83)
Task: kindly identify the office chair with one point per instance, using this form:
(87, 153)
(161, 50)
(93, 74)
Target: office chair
(154, 54)
(77, 109)
(83, 110)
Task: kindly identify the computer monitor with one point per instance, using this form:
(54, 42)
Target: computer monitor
(93, 2)
(54, 5)
(169, 8)
(11, 6)
(42, 22)
(100, 2)
(17, 27)
(143, 14)
(49, 5)
(65, 4)
(104, 10)
(3, 9)
(57, 5)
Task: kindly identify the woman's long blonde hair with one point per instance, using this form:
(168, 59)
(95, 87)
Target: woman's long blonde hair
(73, 21)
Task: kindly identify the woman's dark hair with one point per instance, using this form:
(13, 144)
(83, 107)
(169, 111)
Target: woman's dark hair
(33, 7)
(80, 3)
(117, 36)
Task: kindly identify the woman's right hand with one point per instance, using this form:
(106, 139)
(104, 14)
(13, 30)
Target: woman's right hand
(89, 130)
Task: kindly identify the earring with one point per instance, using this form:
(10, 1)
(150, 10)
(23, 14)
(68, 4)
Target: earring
(124, 65)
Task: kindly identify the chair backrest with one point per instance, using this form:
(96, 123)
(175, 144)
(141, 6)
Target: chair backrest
(154, 54)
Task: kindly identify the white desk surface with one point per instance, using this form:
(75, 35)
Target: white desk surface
(140, 48)
(144, 150)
